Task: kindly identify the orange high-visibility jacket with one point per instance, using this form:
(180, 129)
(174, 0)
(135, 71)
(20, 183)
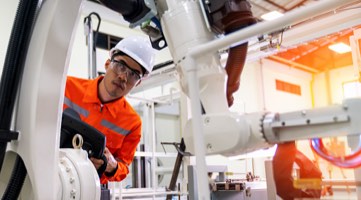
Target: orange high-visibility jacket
(117, 120)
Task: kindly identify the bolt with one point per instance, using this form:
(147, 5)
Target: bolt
(335, 118)
(71, 180)
(345, 107)
(206, 120)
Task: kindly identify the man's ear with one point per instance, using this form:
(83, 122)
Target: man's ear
(106, 65)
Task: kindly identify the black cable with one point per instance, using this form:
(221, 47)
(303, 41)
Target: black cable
(16, 181)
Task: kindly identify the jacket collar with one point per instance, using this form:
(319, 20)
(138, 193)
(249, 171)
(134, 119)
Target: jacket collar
(91, 96)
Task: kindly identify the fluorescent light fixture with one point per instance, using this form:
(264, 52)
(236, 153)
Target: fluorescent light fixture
(340, 47)
(271, 15)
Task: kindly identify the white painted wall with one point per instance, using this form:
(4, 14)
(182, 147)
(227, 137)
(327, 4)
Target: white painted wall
(320, 92)
(329, 85)
(279, 101)
(249, 97)
(338, 77)
(258, 88)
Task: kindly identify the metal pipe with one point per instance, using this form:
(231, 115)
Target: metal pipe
(92, 71)
(266, 27)
(154, 158)
(147, 112)
(199, 145)
(215, 45)
(149, 194)
(120, 193)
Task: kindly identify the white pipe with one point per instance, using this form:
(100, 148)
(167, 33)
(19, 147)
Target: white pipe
(120, 191)
(212, 46)
(290, 18)
(143, 192)
(149, 194)
(154, 159)
(156, 154)
(199, 146)
(112, 188)
(147, 100)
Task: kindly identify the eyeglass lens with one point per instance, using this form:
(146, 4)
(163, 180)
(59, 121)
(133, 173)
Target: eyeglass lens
(121, 67)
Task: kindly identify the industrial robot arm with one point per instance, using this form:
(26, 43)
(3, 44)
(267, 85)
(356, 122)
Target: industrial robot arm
(94, 141)
(194, 44)
(254, 131)
(133, 11)
(204, 28)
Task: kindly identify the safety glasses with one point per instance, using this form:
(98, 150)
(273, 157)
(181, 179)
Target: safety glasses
(120, 67)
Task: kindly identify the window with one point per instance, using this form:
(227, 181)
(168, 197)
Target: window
(288, 87)
(351, 89)
(105, 41)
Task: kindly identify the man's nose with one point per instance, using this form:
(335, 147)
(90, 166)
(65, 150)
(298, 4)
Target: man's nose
(124, 76)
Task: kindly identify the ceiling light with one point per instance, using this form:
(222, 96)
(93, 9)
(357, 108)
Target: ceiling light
(340, 47)
(271, 15)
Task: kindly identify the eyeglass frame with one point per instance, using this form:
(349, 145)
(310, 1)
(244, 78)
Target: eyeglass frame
(121, 63)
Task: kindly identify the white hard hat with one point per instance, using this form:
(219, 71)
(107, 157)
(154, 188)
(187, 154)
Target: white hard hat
(139, 49)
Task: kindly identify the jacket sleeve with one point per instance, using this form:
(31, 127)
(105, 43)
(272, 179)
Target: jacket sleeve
(126, 153)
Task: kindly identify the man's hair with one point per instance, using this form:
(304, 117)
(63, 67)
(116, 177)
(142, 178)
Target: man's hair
(120, 53)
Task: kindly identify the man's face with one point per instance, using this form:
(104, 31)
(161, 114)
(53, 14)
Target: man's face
(122, 74)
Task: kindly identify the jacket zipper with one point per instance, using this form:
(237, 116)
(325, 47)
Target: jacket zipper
(101, 107)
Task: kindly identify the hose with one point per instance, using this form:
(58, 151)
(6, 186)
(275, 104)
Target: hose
(9, 85)
(349, 161)
(234, 67)
(237, 55)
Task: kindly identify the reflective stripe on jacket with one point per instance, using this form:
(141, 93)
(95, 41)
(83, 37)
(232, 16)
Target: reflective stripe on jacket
(117, 120)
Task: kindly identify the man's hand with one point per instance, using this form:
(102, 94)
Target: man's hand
(112, 163)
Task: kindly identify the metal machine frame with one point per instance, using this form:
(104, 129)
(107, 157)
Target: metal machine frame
(41, 98)
(189, 63)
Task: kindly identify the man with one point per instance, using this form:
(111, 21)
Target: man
(101, 103)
